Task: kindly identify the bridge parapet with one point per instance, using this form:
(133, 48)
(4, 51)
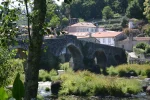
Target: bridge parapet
(80, 50)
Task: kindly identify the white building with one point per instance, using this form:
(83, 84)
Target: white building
(84, 27)
(109, 37)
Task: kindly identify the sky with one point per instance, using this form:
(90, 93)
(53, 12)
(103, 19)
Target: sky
(58, 2)
(15, 3)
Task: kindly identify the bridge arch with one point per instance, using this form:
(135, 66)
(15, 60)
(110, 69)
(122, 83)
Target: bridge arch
(100, 59)
(117, 59)
(76, 61)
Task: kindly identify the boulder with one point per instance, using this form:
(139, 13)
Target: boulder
(148, 90)
(55, 87)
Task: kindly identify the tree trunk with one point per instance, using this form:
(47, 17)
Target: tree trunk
(32, 68)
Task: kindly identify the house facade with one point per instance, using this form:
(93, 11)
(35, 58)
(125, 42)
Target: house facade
(130, 42)
(84, 27)
(109, 37)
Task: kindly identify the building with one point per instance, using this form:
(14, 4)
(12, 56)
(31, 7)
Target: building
(109, 37)
(130, 24)
(86, 36)
(84, 27)
(130, 42)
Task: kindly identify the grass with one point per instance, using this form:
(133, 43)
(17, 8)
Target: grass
(124, 70)
(88, 84)
(47, 76)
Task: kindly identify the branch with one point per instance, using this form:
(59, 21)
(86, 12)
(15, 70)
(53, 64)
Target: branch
(28, 21)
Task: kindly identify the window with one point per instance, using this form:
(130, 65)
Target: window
(109, 40)
(103, 40)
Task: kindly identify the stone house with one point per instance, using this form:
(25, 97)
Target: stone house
(130, 42)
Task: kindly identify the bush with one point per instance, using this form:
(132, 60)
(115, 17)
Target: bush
(141, 45)
(47, 89)
(148, 73)
(112, 71)
(39, 97)
(46, 76)
(87, 84)
(43, 75)
(130, 70)
(64, 66)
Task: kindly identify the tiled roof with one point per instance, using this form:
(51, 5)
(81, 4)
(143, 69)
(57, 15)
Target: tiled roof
(106, 34)
(83, 24)
(138, 39)
(80, 34)
(142, 38)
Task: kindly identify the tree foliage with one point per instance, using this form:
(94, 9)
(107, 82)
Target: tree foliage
(8, 28)
(147, 9)
(92, 9)
(135, 9)
(107, 12)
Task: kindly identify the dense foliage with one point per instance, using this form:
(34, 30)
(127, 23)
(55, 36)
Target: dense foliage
(107, 12)
(142, 48)
(129, 70)
(147, 9)
(86, 84)
(92, 9)
(135, 9)
(9, 67)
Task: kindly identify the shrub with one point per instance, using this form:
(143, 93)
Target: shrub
(43, 74)
(86, 84)
(47, 89)
(39, 97)
(130, 70)
(148, 73)
(46, 76)
(17, 67)
(112, 71)
(141, 45)
(64, 66)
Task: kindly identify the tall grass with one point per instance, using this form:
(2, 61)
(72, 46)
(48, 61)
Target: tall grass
(87, 84)
(123, 70)
(47, 76)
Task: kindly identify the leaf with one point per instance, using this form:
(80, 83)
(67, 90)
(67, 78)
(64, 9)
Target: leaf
(18, 88)
(3, 94)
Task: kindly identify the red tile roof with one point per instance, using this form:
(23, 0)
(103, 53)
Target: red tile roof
(142, 38)
(83, 24)
(106, 34)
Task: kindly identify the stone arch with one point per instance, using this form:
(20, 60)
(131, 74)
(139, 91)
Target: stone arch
(100, 59)
(117, 59)
(76, 61)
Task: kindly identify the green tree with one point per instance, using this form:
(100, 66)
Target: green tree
(118, 6)
(107, 12)
(65, 22)
(35, 43)
(147, 9)
(146, 30)
(54, 22)
(5, 67)
(135, 9)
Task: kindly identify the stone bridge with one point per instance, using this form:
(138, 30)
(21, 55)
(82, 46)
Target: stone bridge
(83, 54)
